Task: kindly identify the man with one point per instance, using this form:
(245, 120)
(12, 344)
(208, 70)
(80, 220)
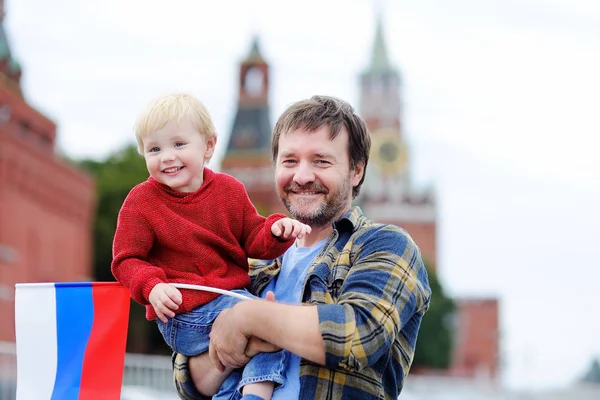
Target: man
(362, 285)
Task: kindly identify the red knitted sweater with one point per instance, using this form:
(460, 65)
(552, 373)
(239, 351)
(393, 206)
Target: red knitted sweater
(202, 238)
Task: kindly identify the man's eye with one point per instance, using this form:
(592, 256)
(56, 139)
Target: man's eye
(288, 162)
(322, 162)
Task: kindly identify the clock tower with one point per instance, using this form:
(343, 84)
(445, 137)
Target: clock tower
(387, 195)
(248, 154)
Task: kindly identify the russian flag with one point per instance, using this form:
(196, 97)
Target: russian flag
(71, 340)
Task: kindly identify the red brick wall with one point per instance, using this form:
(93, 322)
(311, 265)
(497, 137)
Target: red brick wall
(476, 350)
(46, 214)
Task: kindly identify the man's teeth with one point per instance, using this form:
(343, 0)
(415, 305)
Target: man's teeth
(174, 169)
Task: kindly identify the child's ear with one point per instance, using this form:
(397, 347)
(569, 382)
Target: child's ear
(211, 142)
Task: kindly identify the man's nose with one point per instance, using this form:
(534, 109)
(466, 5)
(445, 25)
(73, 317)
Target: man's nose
(304, 174)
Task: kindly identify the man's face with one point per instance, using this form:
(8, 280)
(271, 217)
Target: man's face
(313, 176)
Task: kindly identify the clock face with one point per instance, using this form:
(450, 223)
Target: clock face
(389, 153)
(254, 82)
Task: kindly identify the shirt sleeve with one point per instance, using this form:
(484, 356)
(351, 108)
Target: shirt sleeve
(132, 243)
(385, 286)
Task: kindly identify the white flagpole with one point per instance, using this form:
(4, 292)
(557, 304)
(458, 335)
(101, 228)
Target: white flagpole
(210, 289)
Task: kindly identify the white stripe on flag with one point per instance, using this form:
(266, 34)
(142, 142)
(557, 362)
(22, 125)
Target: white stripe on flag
(35, 326)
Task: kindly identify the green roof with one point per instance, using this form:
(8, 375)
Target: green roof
(13, 64)
(254, 54)
(379, 57)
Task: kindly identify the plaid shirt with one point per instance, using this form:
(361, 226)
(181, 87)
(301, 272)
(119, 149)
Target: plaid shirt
(371, 290)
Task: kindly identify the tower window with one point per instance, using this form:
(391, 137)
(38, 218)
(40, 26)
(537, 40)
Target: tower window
(254, 82)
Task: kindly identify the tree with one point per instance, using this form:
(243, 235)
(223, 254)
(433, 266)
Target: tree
(434, 344)
(593, 374)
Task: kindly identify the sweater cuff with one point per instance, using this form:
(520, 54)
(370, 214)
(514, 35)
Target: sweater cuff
(148, 286)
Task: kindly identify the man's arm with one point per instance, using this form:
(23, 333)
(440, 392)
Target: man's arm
(385, 286)
(293, 328)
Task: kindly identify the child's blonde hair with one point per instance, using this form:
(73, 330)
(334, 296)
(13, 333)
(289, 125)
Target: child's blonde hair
(173, 108)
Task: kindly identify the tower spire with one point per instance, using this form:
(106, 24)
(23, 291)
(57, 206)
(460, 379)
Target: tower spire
(379, 56)
(254, 54)
(8, 65)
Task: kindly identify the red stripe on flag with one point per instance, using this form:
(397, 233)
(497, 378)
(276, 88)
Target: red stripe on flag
(104, 359)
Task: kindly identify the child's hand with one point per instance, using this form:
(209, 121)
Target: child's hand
(165, 299)
(286, 228)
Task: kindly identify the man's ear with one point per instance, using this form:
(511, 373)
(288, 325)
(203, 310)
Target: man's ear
(357, 174)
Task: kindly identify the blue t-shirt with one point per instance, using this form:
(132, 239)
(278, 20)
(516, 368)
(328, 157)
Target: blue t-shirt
(287, 287)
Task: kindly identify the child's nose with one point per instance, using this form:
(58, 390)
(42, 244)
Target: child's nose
(168, 156)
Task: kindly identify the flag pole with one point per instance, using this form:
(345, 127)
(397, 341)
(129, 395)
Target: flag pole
(210, 289)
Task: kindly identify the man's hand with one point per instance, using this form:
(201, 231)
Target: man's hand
(286, 228)
(228, 340)
(165, 299)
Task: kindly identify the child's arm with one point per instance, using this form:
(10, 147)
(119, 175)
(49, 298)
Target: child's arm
(260, 242)
(258, 238)
(286, 228)
(134, 238)
(261, 238)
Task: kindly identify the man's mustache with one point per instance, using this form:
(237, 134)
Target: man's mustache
(311, 187)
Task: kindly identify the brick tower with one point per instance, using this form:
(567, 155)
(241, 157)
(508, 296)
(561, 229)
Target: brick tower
(46, 205)
(248, 154)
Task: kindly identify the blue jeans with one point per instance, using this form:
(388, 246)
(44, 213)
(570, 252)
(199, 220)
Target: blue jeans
(187, 334)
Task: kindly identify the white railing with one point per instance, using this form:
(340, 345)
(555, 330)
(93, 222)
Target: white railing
(153, 373)
(8, 371)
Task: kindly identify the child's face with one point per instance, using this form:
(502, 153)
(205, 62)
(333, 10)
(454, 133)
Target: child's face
(175, 155)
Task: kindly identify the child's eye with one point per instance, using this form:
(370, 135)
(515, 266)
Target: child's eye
(179, 144)
(154, 150)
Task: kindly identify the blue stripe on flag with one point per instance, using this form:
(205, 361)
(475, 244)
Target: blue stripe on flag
(74, 319)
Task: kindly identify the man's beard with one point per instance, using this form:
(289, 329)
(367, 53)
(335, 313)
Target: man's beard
(327, 209)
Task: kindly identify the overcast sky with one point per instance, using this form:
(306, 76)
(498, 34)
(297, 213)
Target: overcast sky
(501, 103)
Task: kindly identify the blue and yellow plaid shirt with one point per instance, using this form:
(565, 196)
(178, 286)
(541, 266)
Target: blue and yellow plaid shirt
(371, 290)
